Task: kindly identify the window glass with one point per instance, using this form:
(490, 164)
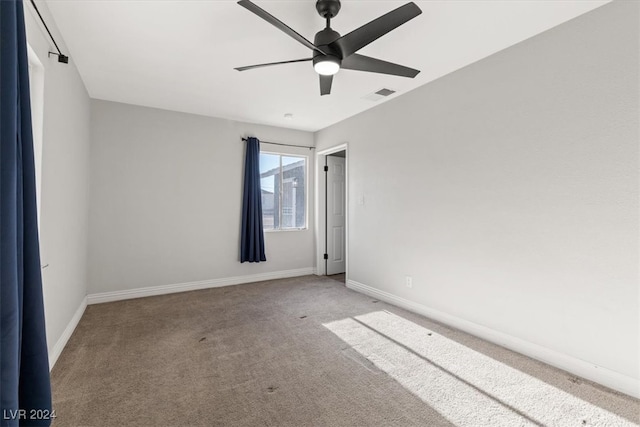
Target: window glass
(283, 182)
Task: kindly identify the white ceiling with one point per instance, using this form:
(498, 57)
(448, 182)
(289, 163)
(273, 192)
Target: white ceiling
(179, 55)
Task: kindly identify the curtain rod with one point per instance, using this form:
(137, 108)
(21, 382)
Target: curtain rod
(286, 145)
(61, 58)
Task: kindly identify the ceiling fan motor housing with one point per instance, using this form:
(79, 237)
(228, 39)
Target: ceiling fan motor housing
(328, 8)
(322, 40)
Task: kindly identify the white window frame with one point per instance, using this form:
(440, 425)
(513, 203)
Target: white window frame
(306, 192)
(36, 87)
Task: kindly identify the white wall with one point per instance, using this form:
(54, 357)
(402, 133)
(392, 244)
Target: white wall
(65, 183)
(509, 191)
(166, 199)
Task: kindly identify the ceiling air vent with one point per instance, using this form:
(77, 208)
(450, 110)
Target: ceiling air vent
(378, 95)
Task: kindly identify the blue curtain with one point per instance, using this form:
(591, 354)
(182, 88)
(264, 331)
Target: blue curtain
(252, 234)
(25, 390)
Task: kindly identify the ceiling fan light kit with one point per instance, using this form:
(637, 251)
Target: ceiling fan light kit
(326, 65)
(331, 52)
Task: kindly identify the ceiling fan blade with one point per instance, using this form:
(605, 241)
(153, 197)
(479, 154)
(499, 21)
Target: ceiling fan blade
(373, 65)
(360, 37)
(247, 4)
(251, 67)
(325, 84)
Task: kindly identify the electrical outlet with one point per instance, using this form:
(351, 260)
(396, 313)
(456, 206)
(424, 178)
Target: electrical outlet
(409, 281)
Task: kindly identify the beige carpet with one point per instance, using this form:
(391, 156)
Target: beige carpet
(305, 352)
(340, 277)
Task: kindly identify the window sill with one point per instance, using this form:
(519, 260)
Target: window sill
(285, 230)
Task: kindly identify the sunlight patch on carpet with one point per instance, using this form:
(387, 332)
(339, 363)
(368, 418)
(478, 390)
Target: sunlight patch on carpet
(465, 386)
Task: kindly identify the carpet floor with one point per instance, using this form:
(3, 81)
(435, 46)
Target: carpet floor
(341, 277)
(305, 351)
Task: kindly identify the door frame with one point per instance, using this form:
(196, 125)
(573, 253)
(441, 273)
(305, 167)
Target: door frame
(320, 205)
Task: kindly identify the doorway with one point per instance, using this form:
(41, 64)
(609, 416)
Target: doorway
(335, 219)
(332, 213)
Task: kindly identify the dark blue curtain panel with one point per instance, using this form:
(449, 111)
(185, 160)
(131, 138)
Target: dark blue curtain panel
(252, 233)
(25, 389)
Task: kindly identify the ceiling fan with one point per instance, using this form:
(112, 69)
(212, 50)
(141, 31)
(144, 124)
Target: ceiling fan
(332, 52)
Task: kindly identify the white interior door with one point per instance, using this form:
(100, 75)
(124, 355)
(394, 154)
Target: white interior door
(336, 209)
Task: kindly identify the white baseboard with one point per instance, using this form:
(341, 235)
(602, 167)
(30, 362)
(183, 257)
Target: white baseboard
(62, 341)
(192, 286)
(612, 379)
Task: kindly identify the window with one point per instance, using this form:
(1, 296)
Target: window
(284, 198)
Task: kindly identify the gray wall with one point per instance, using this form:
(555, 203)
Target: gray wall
(65, 182)
(166, 196)
(509, 191)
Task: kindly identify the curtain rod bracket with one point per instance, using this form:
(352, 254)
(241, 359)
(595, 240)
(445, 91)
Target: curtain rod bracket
(61, 58)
